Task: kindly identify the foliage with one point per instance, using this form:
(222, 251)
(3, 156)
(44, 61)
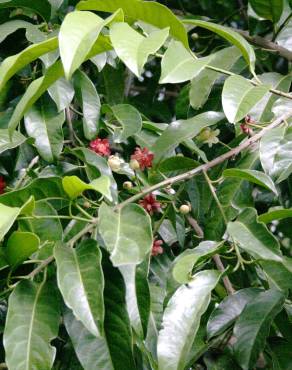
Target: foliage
(145, 184)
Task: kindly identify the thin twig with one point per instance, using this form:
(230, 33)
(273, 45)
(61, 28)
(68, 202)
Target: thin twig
(194, 223)
(227, 283)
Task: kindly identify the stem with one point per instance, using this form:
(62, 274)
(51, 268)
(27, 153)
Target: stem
(227, 283)
(57, 217)
(194, 223)
(29, 167)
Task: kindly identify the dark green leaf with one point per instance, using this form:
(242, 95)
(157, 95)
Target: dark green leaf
(268, 9)
(41, 7)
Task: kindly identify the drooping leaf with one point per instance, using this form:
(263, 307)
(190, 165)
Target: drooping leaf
(149, 12)
(62, 93)
(127, 233)
(133, 48)
(41, 7)
(253, 326)
(10, 27)
(181, 320)
(44, 124)
(239, 96)
(277, 213)
(254, 176)
(6, 143)
(20, 246)
(81, 282)
(181, 130)
(32, 323)
(268, 9)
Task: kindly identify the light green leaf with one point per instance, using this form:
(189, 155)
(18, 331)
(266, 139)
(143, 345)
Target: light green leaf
(10, 27)
(253, 326)
(275, 214)
(74, 187)
(257, 177)
(127, 233)
(185, 262)
(178, 131)
(181, 320)
(284, 37)
(81, 282)
(89, 100)
(239, 96)
(150, 12)
(5, 142)
(32, 323)
(268, 9)
(44, 124)
(20, 246)
(62, 93)
(179, 65)
(133, 48)
(231, 36)
(276, 153)
(15, 63)
(41, 7)
(254, 237)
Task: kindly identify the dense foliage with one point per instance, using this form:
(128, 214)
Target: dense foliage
(146, 183)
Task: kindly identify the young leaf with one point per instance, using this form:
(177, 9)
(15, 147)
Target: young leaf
(268, 9)
(127, 233)
(254, 176)
(181, 320)
(6, 143)
(81, 282)
(20, 246)
(253, 326)
(32, 323)
(275, 214)
(239, 96)
(133, 48)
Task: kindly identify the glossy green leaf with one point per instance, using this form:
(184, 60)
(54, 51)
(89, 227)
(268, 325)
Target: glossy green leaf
(10, 27)
(254, 176)
(277, 213)
(239, 96)
(44, 124)
(127, 233)
(62, 93)
(181, 320)
(276, 153)
(41, 7)
(228, 310)
(81, 282)
(254, 237)
(253, 326)
(74, 187)
(268, 9)
(5, 142)
(179, 65)
(149, 12)
(231, 36)
(177, 163)
(89, 100)
(181, 130)
(284, 36)
(32, 323)
(20, 246)
(185, 262)
(133, 48)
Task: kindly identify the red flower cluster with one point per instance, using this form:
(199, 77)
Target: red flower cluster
(157, 247)
(244, 126)
(2, 185)
(144, 157)
(150, 204)
(100, 146)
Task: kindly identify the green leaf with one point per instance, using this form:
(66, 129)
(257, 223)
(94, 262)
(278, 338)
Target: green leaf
(284, 37)
(10, 27)
(44, 124)
(20, 246)
(15, 63)
(32, 323)
(254, 237)
(127, 233)
(268, 9)
(179, 65)
(149, 12)
(275, 214)
(130, 120)
(231, 36)
(257, 177)
(5, 142)
(186, 261)
(74, 187)
(253, 326)
(276, 153)
(41, 7)
(62, 93)
(181, 320)
(239, 96)
(133, 48)
(178, 131)
(225, 314)
(177, 163)
(81, 282)
(89, 100)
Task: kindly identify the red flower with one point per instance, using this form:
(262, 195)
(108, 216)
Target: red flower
(157, 247)
(245, 129)
(100, 146)
(2, 185)
(150, 204)
(144, 157)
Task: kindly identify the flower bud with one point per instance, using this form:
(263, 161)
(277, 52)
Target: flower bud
(185, 209)
(86, 204)
(134, 164)
(114, 162)
(128, 185)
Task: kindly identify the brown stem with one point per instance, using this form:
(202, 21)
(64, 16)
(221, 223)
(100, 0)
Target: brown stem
(199, 231)
(227, 283)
